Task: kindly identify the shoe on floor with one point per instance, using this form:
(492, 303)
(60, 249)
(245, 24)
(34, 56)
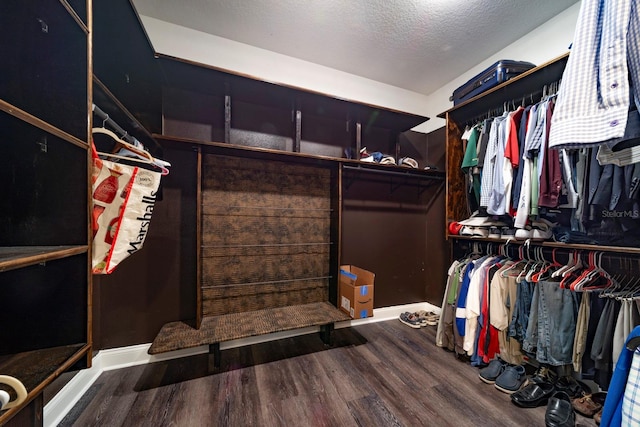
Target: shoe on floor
(410, 320)
(533, 395)
(511, 379)
(559, 411)
(543, 374)
(589, 404)
(598, 416)
(572, 387)
(492, 371)
(428, 318)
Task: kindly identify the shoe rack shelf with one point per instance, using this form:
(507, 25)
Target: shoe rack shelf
(45, 245)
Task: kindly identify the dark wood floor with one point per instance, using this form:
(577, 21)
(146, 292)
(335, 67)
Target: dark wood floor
(381, 374)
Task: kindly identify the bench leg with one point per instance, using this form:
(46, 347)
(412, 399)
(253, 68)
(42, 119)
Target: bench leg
(326, 334)
(214, 351)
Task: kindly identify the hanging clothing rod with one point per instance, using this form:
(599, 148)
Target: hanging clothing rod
(107, 120)
(394, 173)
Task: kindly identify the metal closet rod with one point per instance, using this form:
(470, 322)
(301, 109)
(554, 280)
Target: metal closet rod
(107, 120)
(393, 173)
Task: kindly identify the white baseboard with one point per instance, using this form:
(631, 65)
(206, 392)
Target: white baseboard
(123, 357)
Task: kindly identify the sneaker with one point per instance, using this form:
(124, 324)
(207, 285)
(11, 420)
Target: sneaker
(541, 229)
(387, 160)
(492, 371)
(494, 233)
(410, 320)
(466, 230)
(480, 231)
(507, 233)
(511, 379)
(408, 162)
(523, 233)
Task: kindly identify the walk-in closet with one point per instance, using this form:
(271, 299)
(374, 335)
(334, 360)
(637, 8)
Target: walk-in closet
(280, 213)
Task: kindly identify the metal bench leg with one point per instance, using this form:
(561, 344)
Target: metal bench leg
(326, 334)
(214, 350)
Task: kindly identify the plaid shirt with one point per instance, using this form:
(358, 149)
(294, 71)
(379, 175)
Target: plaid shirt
(631, 400)
(594, 97)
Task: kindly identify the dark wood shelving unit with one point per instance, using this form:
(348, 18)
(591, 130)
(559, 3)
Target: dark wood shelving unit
(24, 256)
(38, 368)
(45, 241)
(262, 153)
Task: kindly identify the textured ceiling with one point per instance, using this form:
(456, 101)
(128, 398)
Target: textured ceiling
(417, 45)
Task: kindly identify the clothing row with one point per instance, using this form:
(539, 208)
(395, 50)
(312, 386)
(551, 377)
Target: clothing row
(513, 173)
(508, 167)
(497, 306)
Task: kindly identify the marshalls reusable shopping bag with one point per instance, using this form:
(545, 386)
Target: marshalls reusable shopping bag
(123, 201)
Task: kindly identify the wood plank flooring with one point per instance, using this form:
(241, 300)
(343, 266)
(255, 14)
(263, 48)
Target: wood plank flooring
(381, 374)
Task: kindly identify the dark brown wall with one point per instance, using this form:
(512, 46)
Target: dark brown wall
(396, 233)
(394, 227)
(157, 284)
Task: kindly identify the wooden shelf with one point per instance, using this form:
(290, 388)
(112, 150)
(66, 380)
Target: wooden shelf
(41, 124)
(567, 246)
(258, 153)
(524, 86)
(13, 257)
(203, 78)
(37, 369)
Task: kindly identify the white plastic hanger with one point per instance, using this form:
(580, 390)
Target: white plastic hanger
(129, 151)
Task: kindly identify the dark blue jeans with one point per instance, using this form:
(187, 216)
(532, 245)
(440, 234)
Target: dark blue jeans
(556, 324)
(520, 317)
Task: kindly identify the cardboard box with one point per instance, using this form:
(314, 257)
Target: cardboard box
(356, 291)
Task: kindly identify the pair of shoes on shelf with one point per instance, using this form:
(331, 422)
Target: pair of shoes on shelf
(376, 157)
(504, 233)
(468, 230)
(539, 230)
(408, 162)
(483, 226)
(505, 377)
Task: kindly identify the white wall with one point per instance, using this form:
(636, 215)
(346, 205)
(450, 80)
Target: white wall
(174, 40)
(541, 45)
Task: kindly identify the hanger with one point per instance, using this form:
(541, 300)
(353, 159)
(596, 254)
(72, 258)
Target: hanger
(144, 155)
(129, 151)
(546, 266)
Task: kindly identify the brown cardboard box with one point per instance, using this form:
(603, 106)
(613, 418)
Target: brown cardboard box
(356, 291)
